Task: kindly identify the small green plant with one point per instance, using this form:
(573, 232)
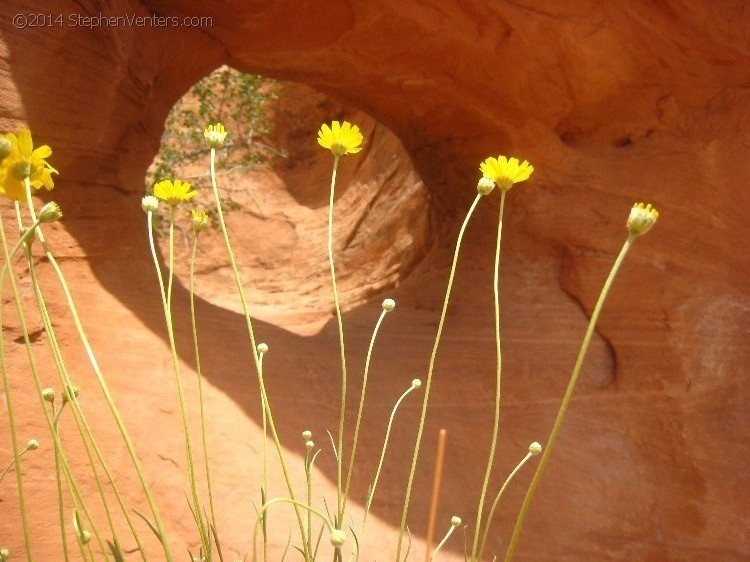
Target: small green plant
(236, 99)
(24, 168)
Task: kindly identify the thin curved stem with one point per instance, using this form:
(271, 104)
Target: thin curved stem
(84, 429)
(361, 405)
(337, 305)
(496, 501)
(442, 542)
(374, 485)
(200, 389)
(566, 399)
(167, 305)
(11, 417)
(296, 504)
(102, 382)
(498, 380)
(60, 500)
(251, 334)
(430, 370)
(265, 460)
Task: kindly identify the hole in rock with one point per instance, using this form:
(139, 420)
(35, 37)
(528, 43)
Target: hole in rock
(274, 181)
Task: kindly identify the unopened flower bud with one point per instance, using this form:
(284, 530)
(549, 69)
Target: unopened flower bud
(485, 186)
(32, 445)
(455, 520)
(389, 305)
(50, 212)
(4, 554)
(535, 448)
(85, 537)
(200, 220)
(307, 435)
(48, 394)
(5, 148)
(641, 219)
(262, 348)
(309, 444)
(74, 389)
(149, 203)
(215, 135)
(338, 538)
(416, 383)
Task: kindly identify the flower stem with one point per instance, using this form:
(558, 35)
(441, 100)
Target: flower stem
(374, 485)
(337, 305)
(60, 500)
(253, 346)
(11, 417)
(77, 497)
(361, 405)
(428, 383)
(498, 380)
(442, 542)
(200, 392)
(566, 399)
(84, 429)
(102, 383)
(167, 305)
(496, 501)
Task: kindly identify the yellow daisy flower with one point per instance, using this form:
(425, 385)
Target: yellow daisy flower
(340, 139)
(215, 135)
(505, 172)
(175, 192)
(23, 161)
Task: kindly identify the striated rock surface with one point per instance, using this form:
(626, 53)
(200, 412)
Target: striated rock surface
(612, 102)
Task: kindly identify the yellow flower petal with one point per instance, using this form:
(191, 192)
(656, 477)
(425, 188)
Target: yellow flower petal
(505, 172)
(340, 138)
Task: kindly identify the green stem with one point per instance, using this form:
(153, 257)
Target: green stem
(200, 389)
(496, 501)
(12, 463)
(11, 417)
(371, 493)
(423, 416)
(167, 305)
(265, 461)
(566, 399)
(82, 425)
(35, 375)
(342, 415)
(103, 384)
(60, 501)
(251, 334)
(361, 405)
(496, 422)
(297, 506)
(442, 542)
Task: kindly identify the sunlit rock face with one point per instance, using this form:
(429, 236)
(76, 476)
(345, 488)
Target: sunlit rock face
(612, 103)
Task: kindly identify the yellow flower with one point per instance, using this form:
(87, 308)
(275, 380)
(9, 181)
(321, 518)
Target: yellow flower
(340, 139)
(23, 162)
(175, 192)
(641, 219)
(215, 135)
(505, 172)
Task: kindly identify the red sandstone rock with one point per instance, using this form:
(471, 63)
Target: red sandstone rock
(612, 103)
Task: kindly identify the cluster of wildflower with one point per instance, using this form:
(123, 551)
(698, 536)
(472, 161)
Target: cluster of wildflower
(175, 191)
